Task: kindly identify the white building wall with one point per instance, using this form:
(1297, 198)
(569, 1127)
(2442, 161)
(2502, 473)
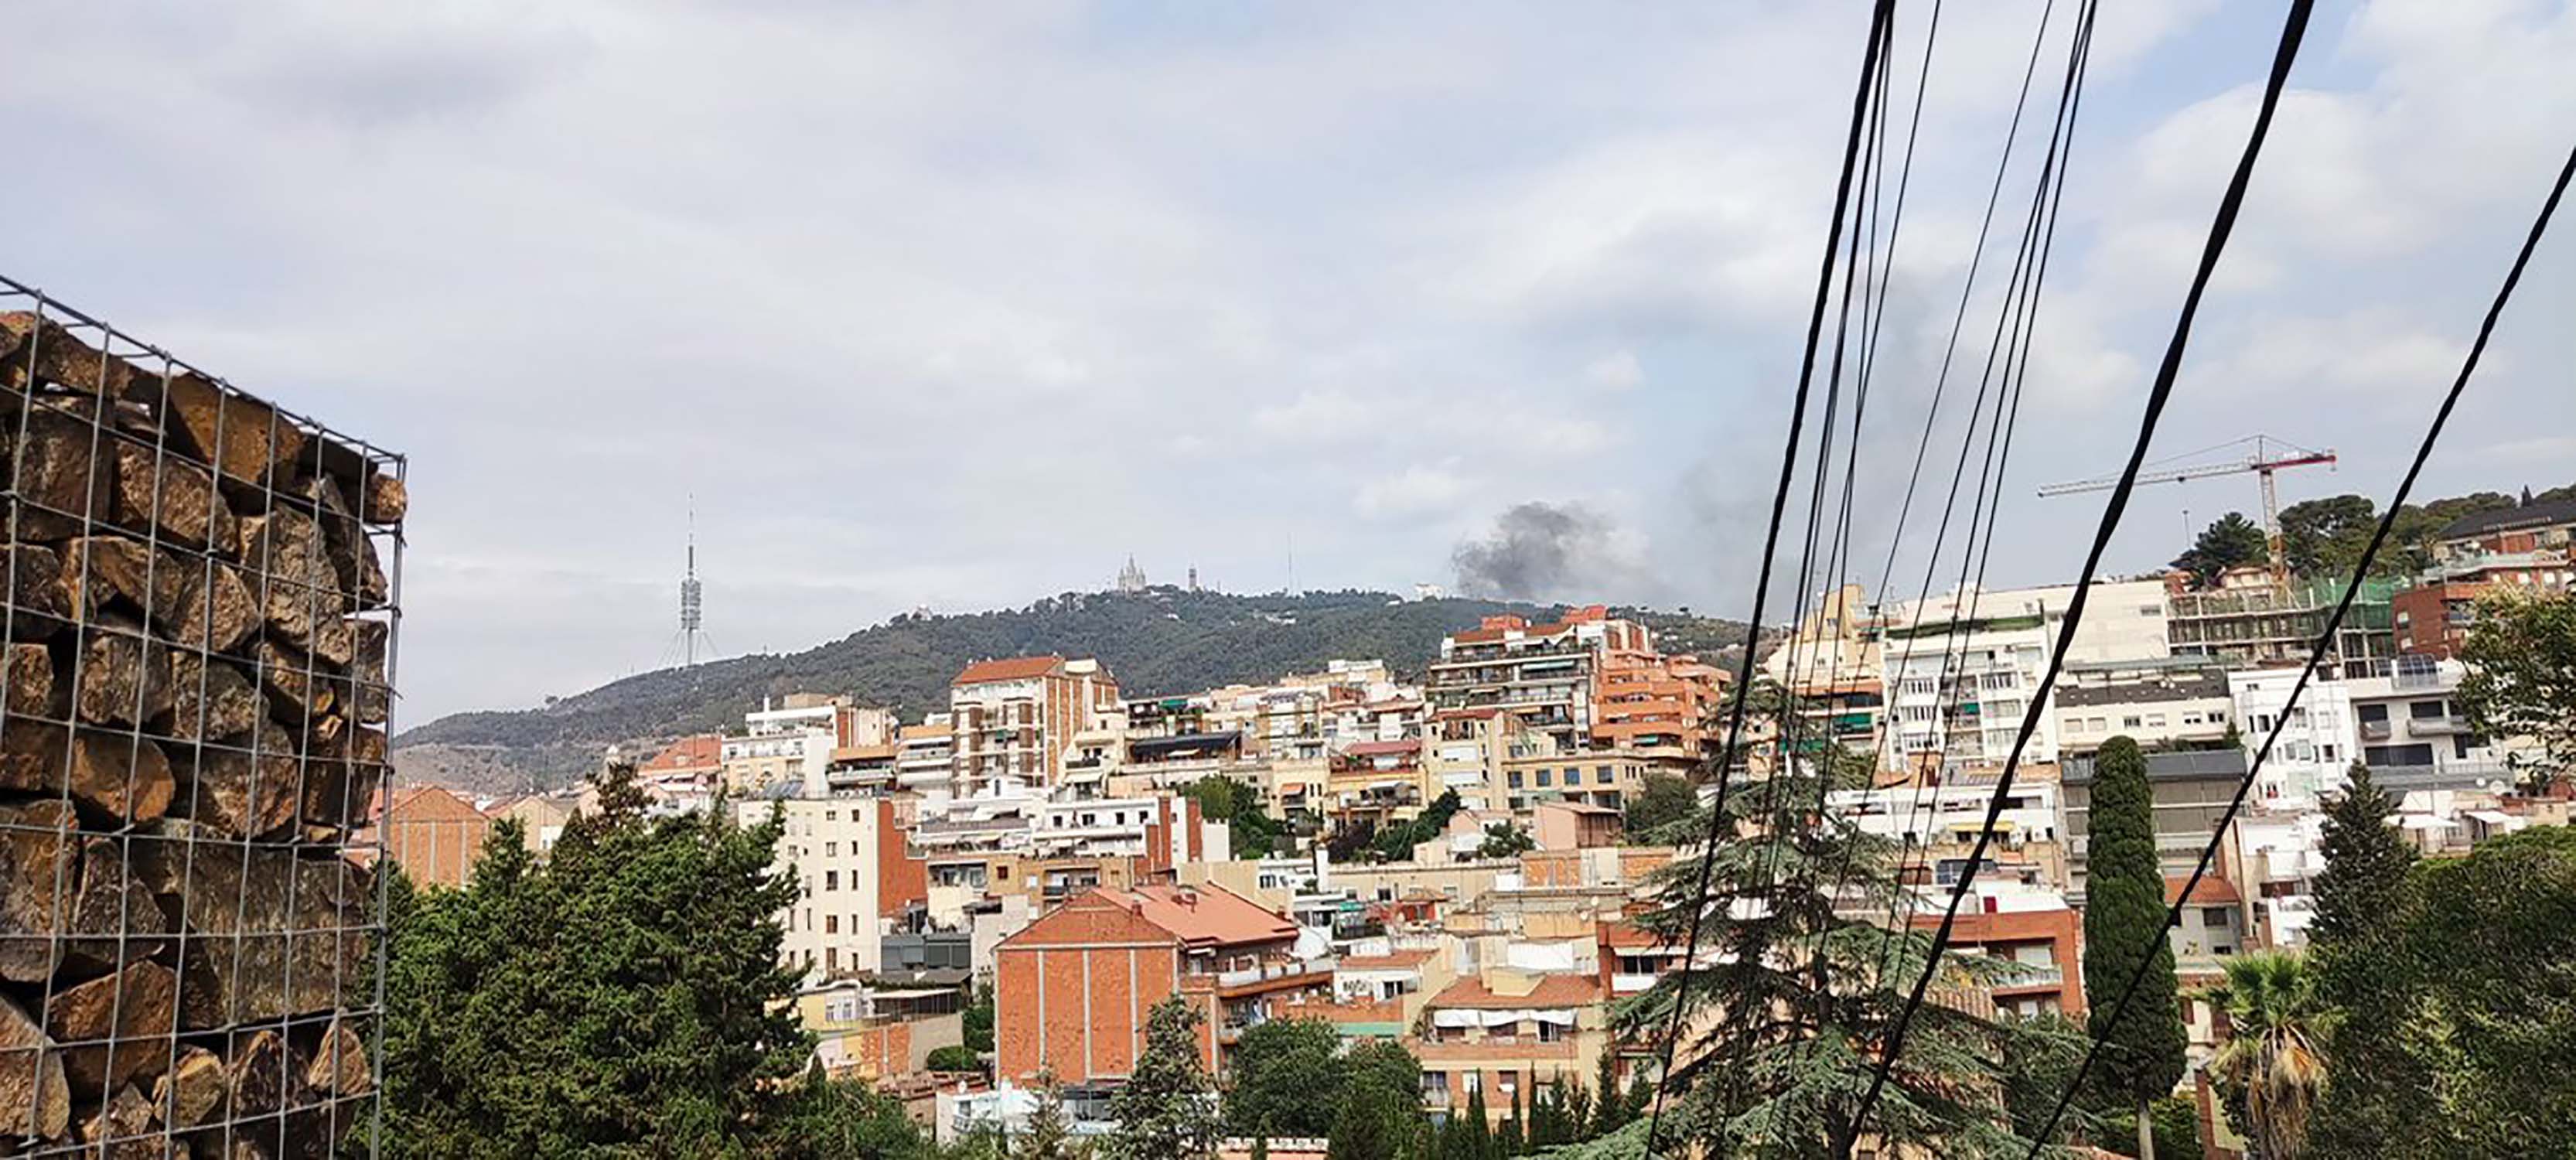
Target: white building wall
(830, 846)
(2317, 747)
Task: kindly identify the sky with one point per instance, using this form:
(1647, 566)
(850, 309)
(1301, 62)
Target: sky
(959, 306)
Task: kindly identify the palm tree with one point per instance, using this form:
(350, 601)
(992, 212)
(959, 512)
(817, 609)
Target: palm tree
(2273, 1066)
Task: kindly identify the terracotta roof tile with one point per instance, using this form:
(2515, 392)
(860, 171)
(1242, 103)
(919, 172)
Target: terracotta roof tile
(703, 751)
(1009, 669)
(1397, 961)
(1551, 991)
(2212, 891)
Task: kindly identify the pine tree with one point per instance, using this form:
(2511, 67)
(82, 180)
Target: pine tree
(1804, 993)
(1480, 1132)
(1167, 1109)
(2373, 1101)
(1049, 1136)
(2124, 923)
(1577, 1113)
(1509, 1140)
(1612, 1112)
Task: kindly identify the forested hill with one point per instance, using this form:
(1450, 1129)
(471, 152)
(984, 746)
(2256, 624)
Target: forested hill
(1164, 641)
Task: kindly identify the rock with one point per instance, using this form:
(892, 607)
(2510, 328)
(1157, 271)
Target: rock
(124, 680)
(27, 685)
(123, 922)
(35, 1097)
(335, 642)
(41, 605)
(210, 700)
(294, 691)
(373, 697)
(48, 349)
(62, 471)
(192, 1090)
(123, 777)
(244, 795)
(258, 1080)
(121, 1128)
(339, 1063)
(290, 941)
(39, 879)
(184, 508)
(116, 1027)
(104, 572)
(215, 610)
(292, 574)
(353, 555)
(386, 499)
(245, 439)
(31, 755)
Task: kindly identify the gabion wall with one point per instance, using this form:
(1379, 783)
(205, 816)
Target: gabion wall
(198, 604)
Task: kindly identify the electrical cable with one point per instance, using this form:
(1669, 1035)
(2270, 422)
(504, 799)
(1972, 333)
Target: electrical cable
(1881, 14)
(2325, 639)
(2293, 31)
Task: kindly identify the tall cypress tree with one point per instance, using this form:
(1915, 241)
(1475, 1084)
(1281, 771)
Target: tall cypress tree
(2124, 924)
(2374, 1099)
(1167, 1109)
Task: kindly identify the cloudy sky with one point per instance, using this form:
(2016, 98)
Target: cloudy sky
(959, 305)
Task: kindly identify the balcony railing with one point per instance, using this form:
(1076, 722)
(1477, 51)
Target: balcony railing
(1272, 972)
(2374, 730)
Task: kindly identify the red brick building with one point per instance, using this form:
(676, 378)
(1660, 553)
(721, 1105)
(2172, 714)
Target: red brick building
(2433, 618)
(1073, 989)
(433, 835)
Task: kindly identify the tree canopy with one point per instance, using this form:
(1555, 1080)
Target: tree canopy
(2231, 542)
(1167, 1109)
(2520, 691)
(1285, 1072)
(1663, 802)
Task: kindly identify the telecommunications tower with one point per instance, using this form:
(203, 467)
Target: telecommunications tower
(692, 632)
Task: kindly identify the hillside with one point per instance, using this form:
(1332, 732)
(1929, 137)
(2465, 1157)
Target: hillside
(1164, 641)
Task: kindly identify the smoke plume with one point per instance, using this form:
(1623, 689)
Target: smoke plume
(1544, 551)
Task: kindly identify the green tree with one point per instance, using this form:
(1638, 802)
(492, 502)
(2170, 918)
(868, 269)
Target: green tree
(1286, 1079)
(978, 1019)
(2325, 537)
(2231, 542)
(2176, 1120)
(2496, 1000)
(953, 1057)
(1479, 1135)
(1251, 829)
(2273, 1067)
(1807, 992)
(2124, 922)
(1050, 1134)
(1505, 840)
(2374, 1085)
(1167, 1110)
(1663, 802)
(624, 995)
(2520, 691)
(1611, 1112)
(1377, 1113)
(828, 1119)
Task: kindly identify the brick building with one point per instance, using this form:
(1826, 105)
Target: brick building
(1017, 717)
(1073, 988)
(433, 834)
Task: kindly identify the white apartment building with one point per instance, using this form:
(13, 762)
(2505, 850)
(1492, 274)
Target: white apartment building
(1921, 816)
(1017, 717)
(831, 846)
(925, 754)
(2403, 710)
(2319, 740)
(1166, 830)
(791, 743)
(2179, 701)
(1961, 667)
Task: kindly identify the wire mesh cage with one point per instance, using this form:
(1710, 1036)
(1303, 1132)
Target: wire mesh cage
(197, 641)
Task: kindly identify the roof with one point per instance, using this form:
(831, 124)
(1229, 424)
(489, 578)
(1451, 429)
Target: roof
(2537, 515)
(1394, 961)
(2212, 891)
(1551, 991)
(1381, 748)
(2204, 685)
(703, 751)
(1199, 916)
(1009, 669)
(2169, 765)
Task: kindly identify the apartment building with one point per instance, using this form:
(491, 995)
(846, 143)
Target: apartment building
(1160, 830)
(1074, 987)
(1506, 1034)
(2319, 740)
(2533, 527)
(1548, 675)
(1833, 666)
(2192, 789)
(792, 743)
(2162, 702)
(853, 872)
(1936, 826)
(1961, 667)
(2252, 618)
(2433, 617)
(2030, 926)
(2405, 714)
(686, 769)
(925, 754)
(1017, 718)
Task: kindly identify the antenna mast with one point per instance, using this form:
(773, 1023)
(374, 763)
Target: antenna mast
(691, 615)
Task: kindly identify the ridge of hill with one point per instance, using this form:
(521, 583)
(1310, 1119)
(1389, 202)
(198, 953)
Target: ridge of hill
(1162, 641)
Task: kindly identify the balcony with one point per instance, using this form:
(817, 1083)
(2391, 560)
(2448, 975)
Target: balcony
(2033, 979)
(1270, 975)
(2374, 730)
(2435, 726)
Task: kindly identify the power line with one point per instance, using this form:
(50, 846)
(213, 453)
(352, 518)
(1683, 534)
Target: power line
(2325, 639)
(2293, 30)
(1881, 13)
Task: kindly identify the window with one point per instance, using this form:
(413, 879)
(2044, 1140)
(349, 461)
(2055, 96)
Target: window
(2155, 720)
(831, 849)
(1514, 778)
(831, 924)
(1601, 775)
(831, 880)
(831, 815)
(2373, 714)
(1550, 1032)
(1543, 779)
(2130, 722)
(1507, 1083)
(2428, 710)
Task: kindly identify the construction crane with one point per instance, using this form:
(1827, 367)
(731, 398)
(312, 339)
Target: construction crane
(2264, 456)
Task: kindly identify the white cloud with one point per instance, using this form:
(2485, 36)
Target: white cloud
(1420, 489)
(1615, 371)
